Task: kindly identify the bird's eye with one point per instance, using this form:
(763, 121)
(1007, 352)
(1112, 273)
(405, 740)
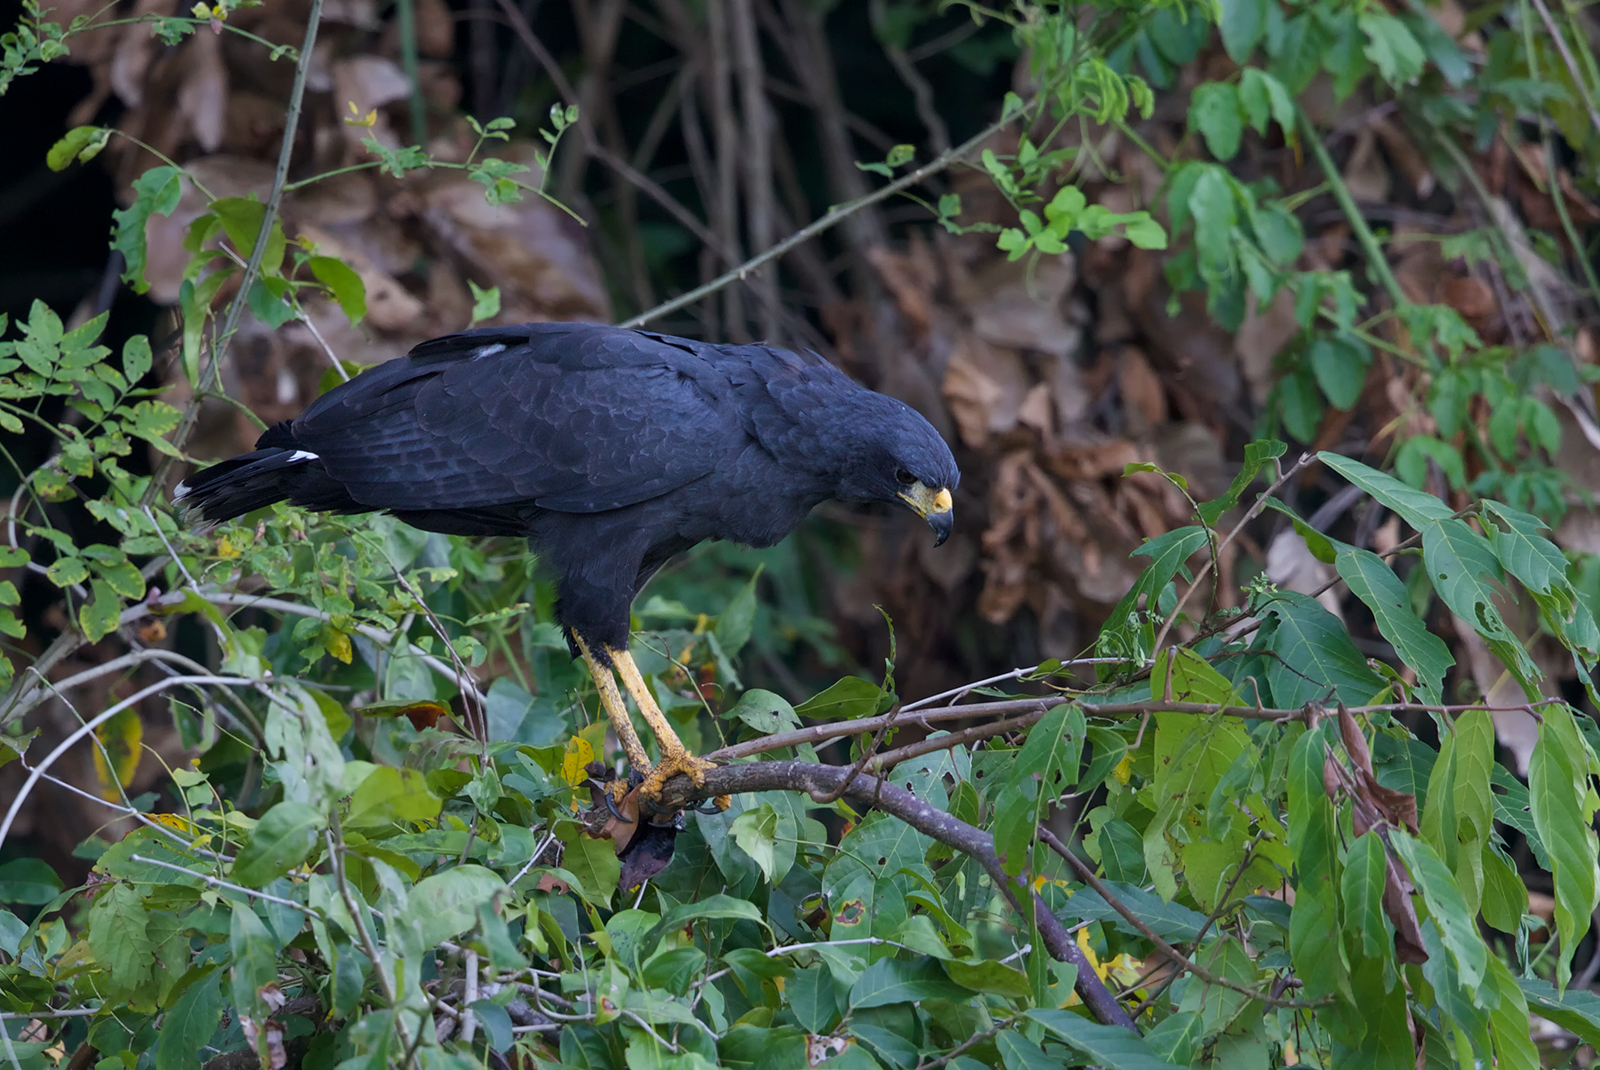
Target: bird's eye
(904, 477)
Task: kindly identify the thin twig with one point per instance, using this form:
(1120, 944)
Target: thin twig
(218, 882)
(949, 740)
(1571, 64)
(832, 218)
(269, 217)
(88, 727)
(1086, 874)
(1284, 475)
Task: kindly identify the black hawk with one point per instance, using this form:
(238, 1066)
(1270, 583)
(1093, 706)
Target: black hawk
(611, 450)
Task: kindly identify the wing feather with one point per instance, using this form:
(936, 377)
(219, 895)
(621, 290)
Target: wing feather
(573, 418)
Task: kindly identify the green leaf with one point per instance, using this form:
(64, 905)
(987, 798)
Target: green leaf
(711, 908)
(241, 219)
(1191, 755)
(754, 832)
(344, 284)
(1391, 48)
(100, 616)
(268, 301)
(1017, 1052)
(281, 840)
(1177, 1037)
(1345, 57)
(136, 359)
(194, 299)
(190, 1023)
(1563, 811)
(29, 881)
(765, 712)
(1576, 1009)
(1517, 543)
(1457, 926)
(593, 862)
(387, 794)
(1413, 506)
(446, 904)
(1106, 1045)
(255, 961)
(735, 622)
(1315, 656)
(119, 935)
(156, 192)
(850, 698)
(66, 571)
(1167, 554)
(1242, 24)
(1314, 943)
(1381, 591)
(1173, 922)
(485, 303)
(1513, 1047)
(1212, 204)
(1462, 565)
(1257, 455)
(893, 981)
(1260, 96)
(1144, 232)
(988, 975)
(1340, 365)
(81, 143)
(1365, 874)
(1214, 112)
(123, 578)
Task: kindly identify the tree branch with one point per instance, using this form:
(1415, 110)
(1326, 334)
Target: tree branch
(834, 216)
(1177, 957)
(821, 781)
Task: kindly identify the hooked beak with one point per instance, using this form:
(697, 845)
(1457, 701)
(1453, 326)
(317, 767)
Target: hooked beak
(934, 506)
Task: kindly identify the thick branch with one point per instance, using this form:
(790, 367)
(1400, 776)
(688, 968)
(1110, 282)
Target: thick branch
(823, 781)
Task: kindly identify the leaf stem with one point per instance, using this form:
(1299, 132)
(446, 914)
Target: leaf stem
(1347, 204)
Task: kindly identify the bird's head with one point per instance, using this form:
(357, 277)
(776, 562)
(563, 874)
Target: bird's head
(900, 459)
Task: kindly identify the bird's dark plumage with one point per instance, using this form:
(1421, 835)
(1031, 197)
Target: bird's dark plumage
(610, 449)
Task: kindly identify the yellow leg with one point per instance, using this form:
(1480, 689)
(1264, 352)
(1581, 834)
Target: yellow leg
(611, 701)
(675, 757)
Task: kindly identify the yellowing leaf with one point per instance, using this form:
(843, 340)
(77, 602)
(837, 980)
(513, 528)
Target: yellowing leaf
(120, 739)
(337, 643)
(225, 549)
(574, 762)
(173, 821)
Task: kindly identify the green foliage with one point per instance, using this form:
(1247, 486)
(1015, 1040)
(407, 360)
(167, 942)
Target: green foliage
(409, 854)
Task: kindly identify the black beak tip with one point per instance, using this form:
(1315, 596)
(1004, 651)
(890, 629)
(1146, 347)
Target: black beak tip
(942, 524)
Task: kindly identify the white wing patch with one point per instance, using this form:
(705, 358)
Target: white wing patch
(488, 351)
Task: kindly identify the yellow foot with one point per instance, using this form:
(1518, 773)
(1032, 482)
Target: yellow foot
(672, 764)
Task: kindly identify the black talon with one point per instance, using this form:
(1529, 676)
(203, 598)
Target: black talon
(708, 808)
(612, 806)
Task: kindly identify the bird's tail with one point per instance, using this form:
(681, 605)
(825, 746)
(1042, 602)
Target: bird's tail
(276, 471)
